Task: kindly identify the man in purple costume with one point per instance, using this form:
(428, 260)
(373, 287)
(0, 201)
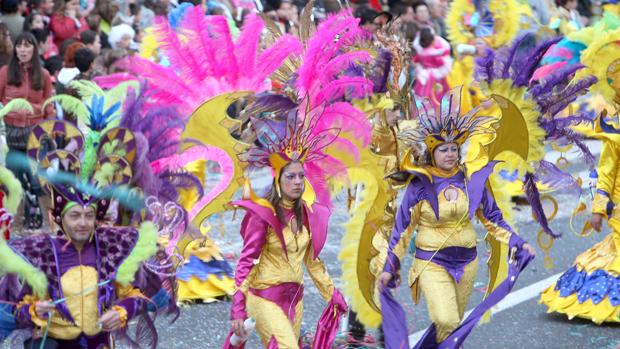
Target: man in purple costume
(88, 274)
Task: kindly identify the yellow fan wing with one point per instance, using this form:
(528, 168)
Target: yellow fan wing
(211, 125)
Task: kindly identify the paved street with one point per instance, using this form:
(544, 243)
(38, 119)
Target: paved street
(524, 325)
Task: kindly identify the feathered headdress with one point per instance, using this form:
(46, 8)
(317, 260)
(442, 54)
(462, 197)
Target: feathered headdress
(294, 139)
(495, 21)
(320, 117)
(446, 125)
(70, 179)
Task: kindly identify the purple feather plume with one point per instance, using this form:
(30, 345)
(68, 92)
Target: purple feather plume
(381, 71)
(533, 197)
(553, 82)
(512, 52)
(568, 95)
(524, 74)
(484, 70)
(554, 178)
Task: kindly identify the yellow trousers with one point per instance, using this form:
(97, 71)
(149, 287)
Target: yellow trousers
(446, 300)
(271, 321)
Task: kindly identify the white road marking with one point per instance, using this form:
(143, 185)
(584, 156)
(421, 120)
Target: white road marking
(514, 298)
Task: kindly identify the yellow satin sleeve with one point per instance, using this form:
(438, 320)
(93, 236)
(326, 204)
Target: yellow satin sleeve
(128, 291)
(607, 171)
(319, 275)
(400, 249)
(500, 234)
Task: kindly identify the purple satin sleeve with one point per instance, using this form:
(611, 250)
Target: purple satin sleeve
(254, 233)
(327, 328)
(133, 306)
(491, 212)
(401, 223)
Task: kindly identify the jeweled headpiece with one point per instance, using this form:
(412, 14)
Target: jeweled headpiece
(446, 125)
(294, 136)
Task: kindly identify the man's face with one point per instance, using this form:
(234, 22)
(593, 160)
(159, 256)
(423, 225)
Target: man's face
(47, 6)
(79, 223)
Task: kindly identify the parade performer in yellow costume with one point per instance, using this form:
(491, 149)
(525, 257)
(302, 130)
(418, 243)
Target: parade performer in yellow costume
(589, 289)
(282, 234)
(440, 203)
(200, 66)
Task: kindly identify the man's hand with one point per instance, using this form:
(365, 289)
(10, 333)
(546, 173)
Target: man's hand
(596, 221)
(110, 321)
(43, 308)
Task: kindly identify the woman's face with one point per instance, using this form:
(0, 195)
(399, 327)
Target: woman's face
(125, 41)
(72, 5)
(446, 156)
(571, 5)
(37, 22)
(422, 13)
(24, 51)
(292, 181)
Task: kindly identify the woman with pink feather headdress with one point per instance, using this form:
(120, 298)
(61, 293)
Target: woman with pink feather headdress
(298, 137)
(201, 51)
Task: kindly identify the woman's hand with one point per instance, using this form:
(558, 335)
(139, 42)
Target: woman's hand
(383, 279)
(529, 249)
(596, 221)
(238, 327)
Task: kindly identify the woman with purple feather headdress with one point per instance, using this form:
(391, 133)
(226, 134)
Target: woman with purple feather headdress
(441, 200)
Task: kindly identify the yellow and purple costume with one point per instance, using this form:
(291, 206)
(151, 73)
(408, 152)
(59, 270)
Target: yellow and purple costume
(591, 288)
(440, 205)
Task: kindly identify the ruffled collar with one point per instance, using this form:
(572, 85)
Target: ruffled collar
(437, 172)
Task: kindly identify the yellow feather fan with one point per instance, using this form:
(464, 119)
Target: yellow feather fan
(505, 14)
(602, 59)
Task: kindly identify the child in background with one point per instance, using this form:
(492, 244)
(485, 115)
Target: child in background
(432, 64)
